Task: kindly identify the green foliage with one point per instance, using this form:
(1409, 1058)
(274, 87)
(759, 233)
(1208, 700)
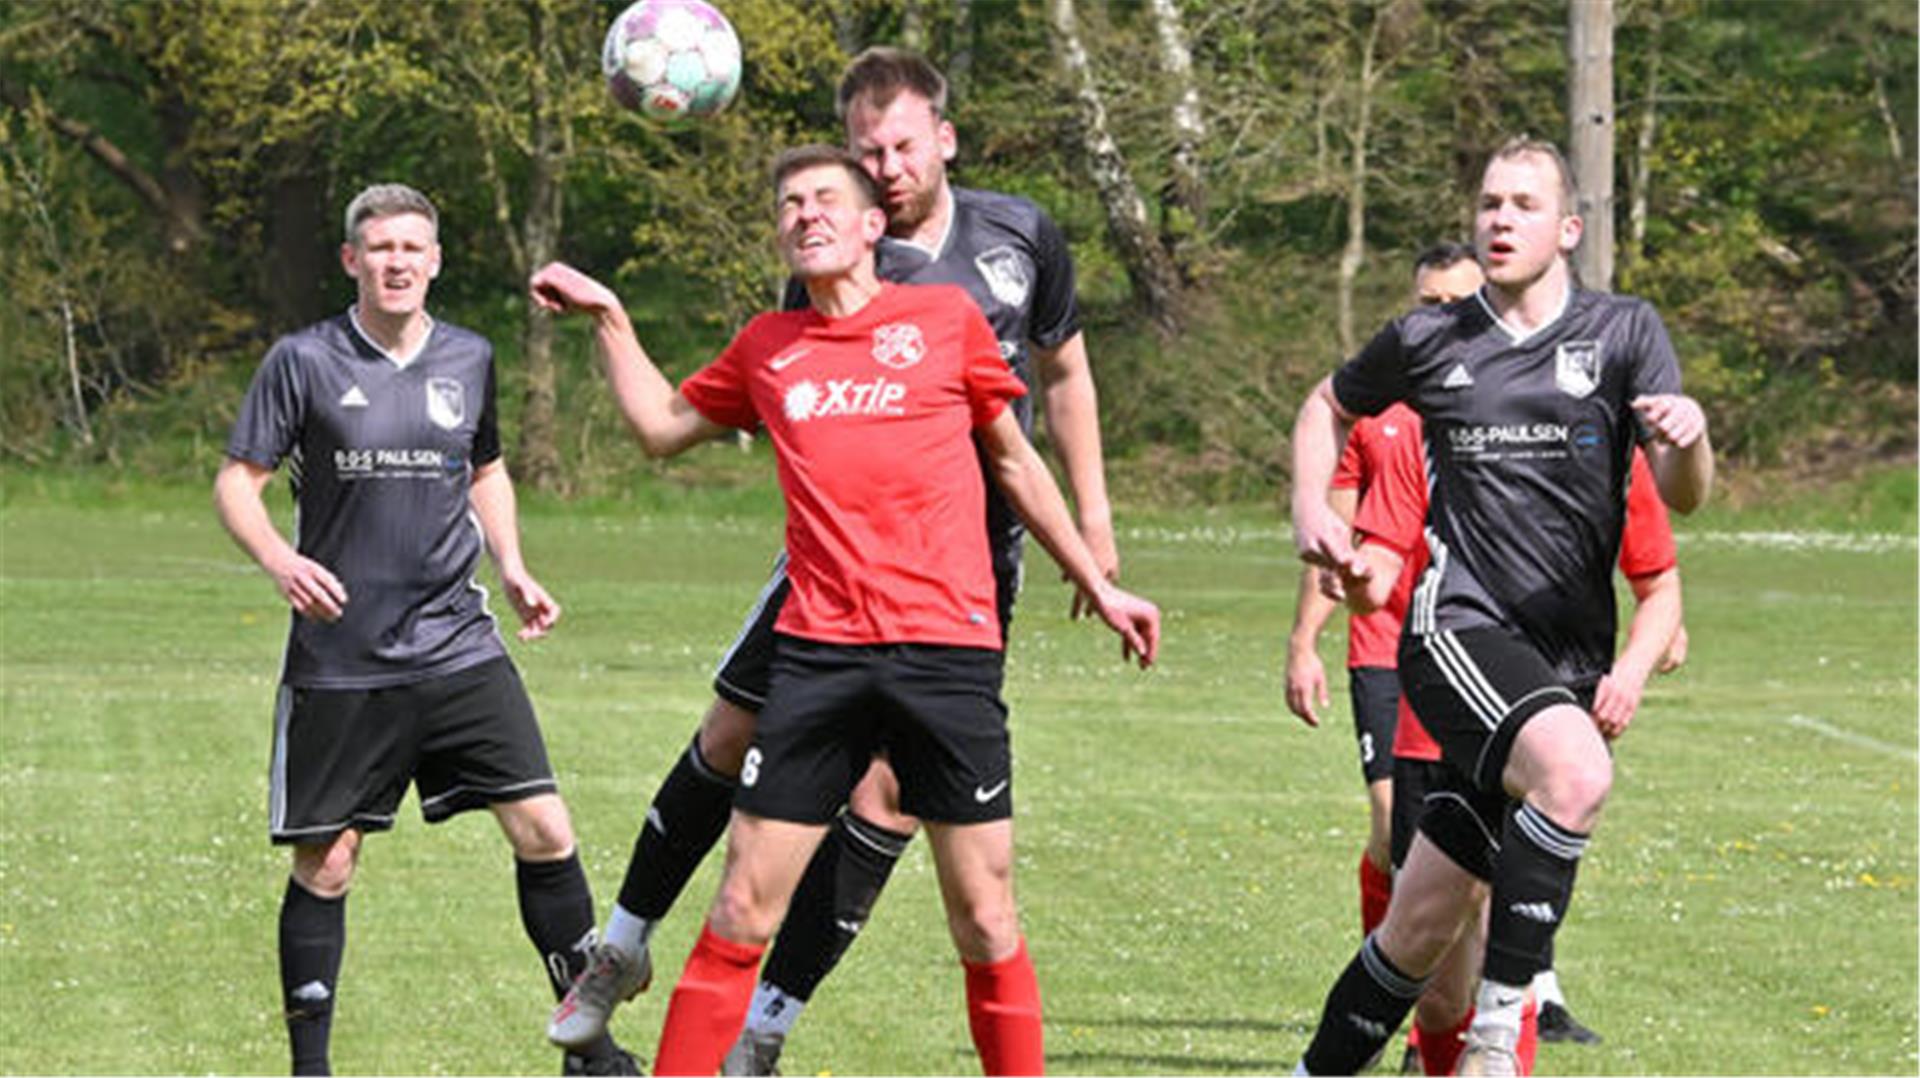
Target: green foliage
(1779, 241)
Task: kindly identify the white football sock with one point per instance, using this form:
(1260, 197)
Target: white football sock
(773, 1011)
(1546, 988)
(1496, 1013)
(627, 932)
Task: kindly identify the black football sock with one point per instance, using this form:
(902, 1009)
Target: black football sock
(556, 909)
(313, 936)
(1363, 1011)
(1532, 887)
(686, 818)
(832, 903)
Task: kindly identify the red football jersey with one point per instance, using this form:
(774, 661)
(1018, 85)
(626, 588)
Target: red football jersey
(872, 416)
(1393, 513)
(1372, 447)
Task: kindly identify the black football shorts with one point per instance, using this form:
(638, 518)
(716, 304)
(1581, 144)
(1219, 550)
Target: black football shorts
(935, 711)
(746, 670)
(342, 758)
(1375, 692)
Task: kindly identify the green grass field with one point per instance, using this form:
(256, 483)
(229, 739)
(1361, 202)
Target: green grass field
(1187, 849)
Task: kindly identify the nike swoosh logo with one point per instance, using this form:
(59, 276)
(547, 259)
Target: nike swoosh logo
(781, 363)
(988, 793)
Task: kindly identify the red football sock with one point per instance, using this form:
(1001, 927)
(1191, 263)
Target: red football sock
(709, 1005)
(1529, 1045)
(1440, 1048)
(1003, 1009)
(1376, 890)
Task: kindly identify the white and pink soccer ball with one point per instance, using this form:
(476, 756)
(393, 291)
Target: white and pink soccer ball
(672, 59)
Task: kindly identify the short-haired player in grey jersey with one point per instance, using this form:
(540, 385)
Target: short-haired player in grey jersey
(395, 673)
(1012, 259)
(1533, 393)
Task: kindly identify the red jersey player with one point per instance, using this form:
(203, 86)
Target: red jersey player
(874, 399)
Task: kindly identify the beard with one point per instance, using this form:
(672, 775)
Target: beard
(916, 209)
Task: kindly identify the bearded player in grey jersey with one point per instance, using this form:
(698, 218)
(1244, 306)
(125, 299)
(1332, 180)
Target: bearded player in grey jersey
(1533, 394)
(1014, 263)
(395, 672)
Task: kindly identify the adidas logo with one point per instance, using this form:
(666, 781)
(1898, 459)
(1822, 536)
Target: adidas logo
(312, 992)
(353, 398)
(1457, 378)
(1534, 911)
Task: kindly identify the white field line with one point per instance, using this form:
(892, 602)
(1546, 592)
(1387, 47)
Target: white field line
(1231, 535)
(1884, 748)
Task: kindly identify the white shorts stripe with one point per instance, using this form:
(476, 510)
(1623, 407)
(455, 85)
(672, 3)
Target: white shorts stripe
(1465, 679)
(277, 771)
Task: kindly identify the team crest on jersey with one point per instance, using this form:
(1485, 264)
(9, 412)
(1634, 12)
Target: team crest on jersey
(899, 345)
(1576, 367)
(446, 402)
(1008, 276)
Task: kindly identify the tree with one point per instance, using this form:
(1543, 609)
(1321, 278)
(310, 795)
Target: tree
(1156, 284)
(1590, 141)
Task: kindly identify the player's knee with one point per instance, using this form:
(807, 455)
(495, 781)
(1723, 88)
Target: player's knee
(725, 735)
(742, 914)
(985, 931)
(327, 870)
(537, 828)
(1573, 794)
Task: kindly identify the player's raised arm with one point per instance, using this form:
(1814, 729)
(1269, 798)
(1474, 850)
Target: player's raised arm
(661, 418)
(309, 587)
(1023, 477)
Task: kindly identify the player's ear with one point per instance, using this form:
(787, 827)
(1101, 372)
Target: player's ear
(873, 224)
(349, 260)
(433, 263)
(947, 139)
(1571, 229)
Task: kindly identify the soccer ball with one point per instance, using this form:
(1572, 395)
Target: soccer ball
(671, 59)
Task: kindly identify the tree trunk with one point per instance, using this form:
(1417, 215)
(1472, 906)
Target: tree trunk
(301, 265)
(1640, 184)
(1355, 252)
(539, 453)
(1155, 282)
(1183, 202)
(1590, 112)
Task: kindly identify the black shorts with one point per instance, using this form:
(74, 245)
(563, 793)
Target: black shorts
(936, 712)
(1431, 796)
(746, 670)
(342, 758)
(1375, 691)
(1473, 690)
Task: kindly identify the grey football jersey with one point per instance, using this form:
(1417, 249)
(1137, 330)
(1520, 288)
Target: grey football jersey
(381, 459)
(1528, 449)
(1013, 260)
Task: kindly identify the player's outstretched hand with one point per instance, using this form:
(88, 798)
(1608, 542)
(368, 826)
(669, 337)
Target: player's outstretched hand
(1306, 684)
(1099, 539)
(1672, 417)
(560, 288)
(1135, 619)
(538, 611)
(310, 588)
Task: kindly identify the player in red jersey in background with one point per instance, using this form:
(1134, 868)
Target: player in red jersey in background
(874, 398)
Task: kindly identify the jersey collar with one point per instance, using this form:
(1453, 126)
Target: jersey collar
(399, 361)
(1516, 335)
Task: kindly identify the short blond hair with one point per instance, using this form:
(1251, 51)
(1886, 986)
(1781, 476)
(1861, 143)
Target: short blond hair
(1525, 145)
